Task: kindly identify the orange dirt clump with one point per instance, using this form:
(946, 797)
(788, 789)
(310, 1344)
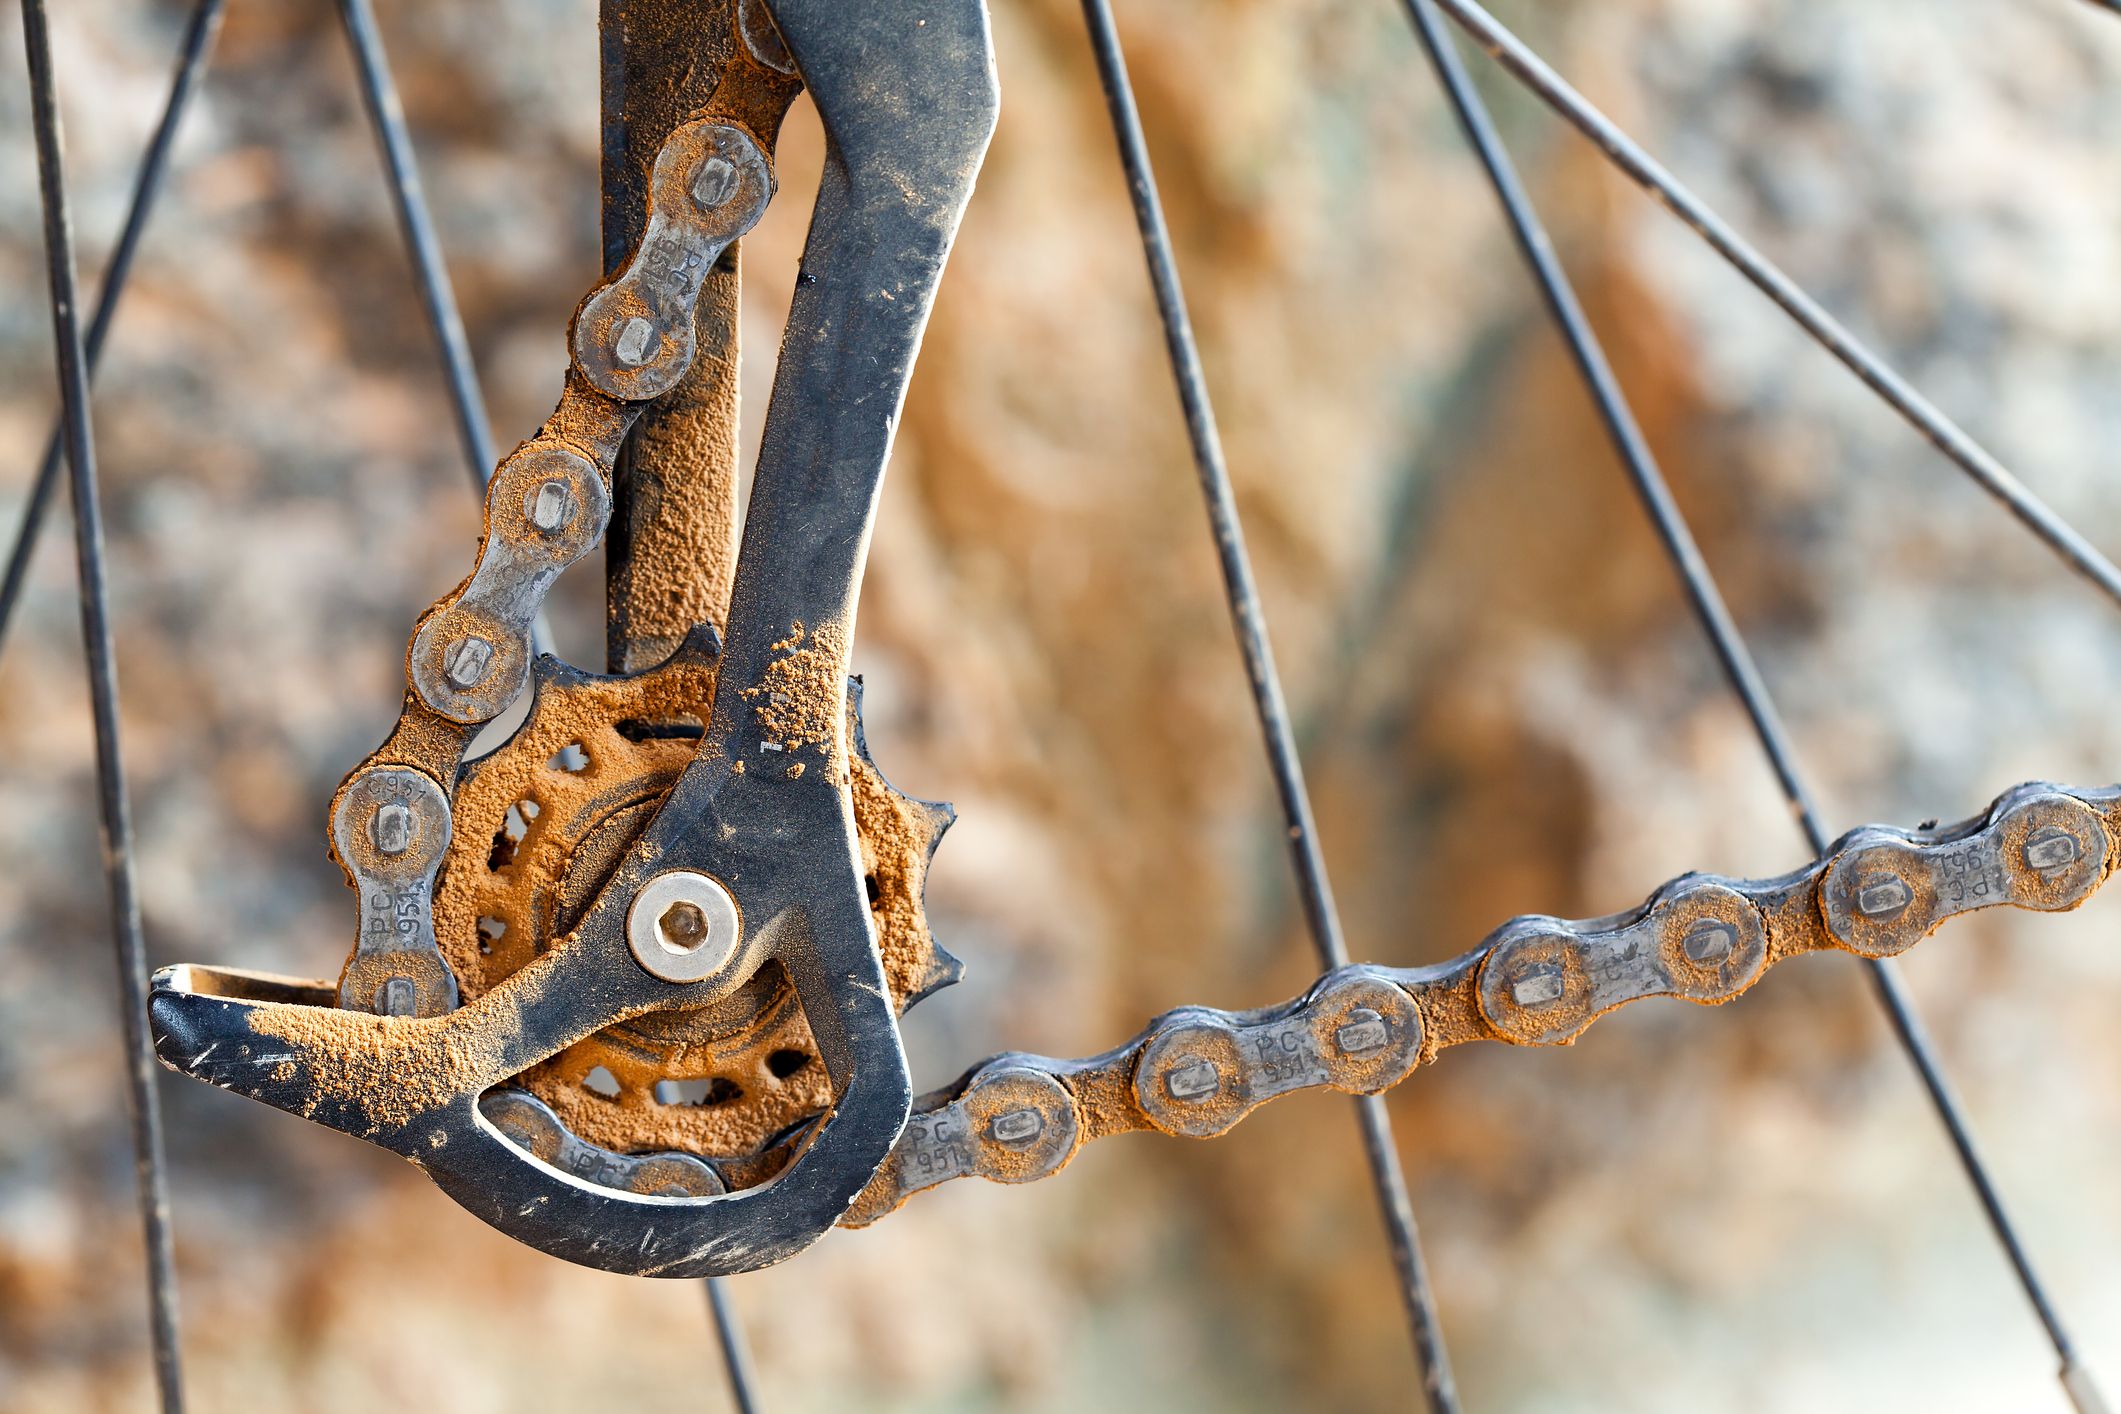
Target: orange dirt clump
(798, 700)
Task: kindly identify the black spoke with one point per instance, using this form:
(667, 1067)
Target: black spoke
(1948, 437)
(147, 187)
(149, 1162)
(379, 96)
(1242, 591)
(1678, 540)
(734, 1357)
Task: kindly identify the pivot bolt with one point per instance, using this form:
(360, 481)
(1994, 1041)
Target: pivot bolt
(465, 661)
(683, 926)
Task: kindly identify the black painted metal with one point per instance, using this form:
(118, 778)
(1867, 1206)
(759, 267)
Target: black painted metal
(906, 93)
(1716, 622)
(192, 55)
(129, 947)
(1268, 701)
(1895, 391)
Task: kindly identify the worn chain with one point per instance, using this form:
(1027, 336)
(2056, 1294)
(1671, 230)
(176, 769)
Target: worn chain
(547, 505)
(1535, 981)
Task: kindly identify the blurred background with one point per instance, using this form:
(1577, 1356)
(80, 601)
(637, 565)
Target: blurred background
(1748, 1208)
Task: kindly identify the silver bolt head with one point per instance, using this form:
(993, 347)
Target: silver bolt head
(636, 335)
(390, 828)
(714, 183)
(465, 661)
(683, 926)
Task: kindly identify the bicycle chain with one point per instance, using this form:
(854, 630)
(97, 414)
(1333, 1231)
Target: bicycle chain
(547, 505)
(1535, 981)
(1193, 1072)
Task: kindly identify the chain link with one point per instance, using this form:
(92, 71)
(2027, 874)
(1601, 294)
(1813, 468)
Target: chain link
(1535, 981)
(547, 505)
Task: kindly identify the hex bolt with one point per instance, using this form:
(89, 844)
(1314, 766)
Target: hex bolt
(1709, 942)
(714, 183)
(552, 506)
(683, 926)
(1883, 895)
(1017, 1128)
(1538, 985)
(631, 347)
(1193, 1082)
(2051, 847)
(1363, 1033)
(465, 661)
(390, 828)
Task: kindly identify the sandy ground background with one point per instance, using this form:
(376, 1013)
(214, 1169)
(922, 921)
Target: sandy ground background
(1504, 705)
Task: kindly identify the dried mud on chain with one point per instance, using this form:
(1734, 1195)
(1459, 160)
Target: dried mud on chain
(1504, 706)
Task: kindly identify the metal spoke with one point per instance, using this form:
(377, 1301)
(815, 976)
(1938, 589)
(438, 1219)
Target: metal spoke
(147, 187)
(1949, 438)
(1678, 540)
(734, 1358)
(149, 1161)
(379, 96)
(1267, 698)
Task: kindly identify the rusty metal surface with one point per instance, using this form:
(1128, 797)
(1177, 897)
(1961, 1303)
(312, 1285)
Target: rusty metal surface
(1535, 981)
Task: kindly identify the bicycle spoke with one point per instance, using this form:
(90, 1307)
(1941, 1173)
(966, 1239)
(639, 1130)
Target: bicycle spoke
(1242, 591)
(734, 1357)
(149, 1161)
(192, 55)
(1948, 437)
(379, 96)
(1678, 540)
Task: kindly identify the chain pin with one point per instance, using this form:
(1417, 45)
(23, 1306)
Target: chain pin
(466, 661)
